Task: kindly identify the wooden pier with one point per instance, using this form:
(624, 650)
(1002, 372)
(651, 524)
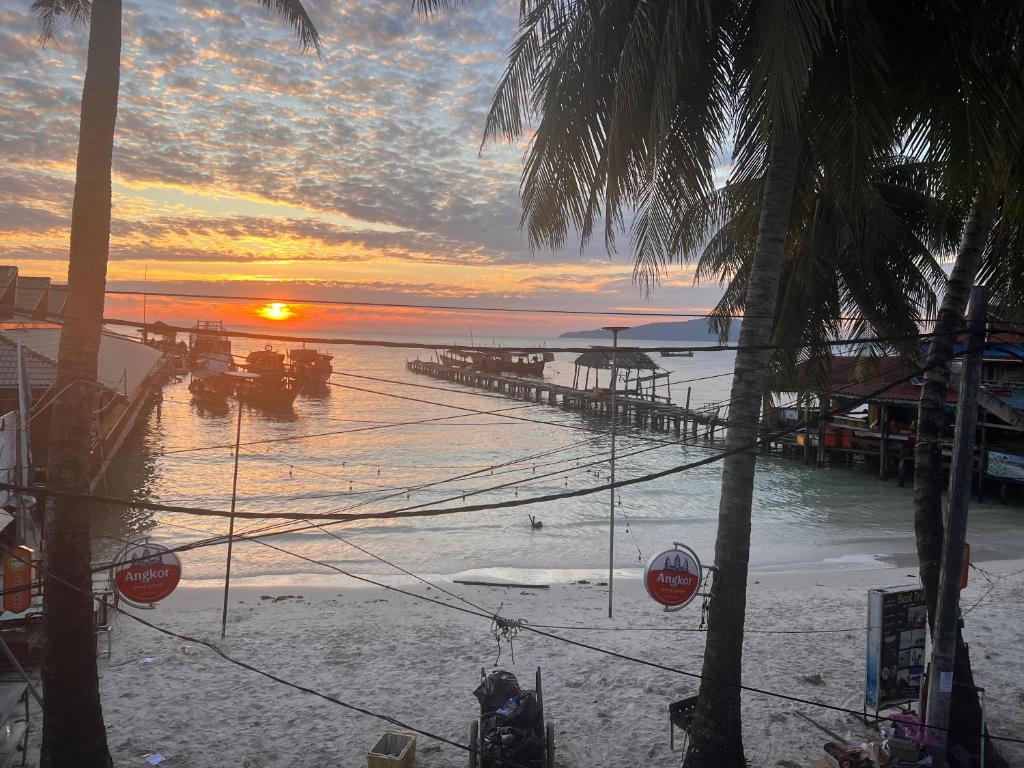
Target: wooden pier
(639, 412)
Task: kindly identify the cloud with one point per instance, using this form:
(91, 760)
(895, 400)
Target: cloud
(236, 153)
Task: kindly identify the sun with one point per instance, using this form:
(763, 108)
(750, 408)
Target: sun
(275, 311)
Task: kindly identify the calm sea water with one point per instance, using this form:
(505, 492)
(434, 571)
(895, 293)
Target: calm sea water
(359, 453)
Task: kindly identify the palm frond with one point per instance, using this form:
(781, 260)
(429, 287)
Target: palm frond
(53, 13)
(295, 14)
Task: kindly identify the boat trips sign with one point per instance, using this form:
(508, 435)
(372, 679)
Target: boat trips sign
(897, 632)
(146, 573)
(672, 577)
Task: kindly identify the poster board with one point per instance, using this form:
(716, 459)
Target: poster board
(1007, 465)
(897, 635)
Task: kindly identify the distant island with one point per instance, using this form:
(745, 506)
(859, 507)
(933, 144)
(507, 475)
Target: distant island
(688, 330)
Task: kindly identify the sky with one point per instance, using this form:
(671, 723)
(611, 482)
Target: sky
(244, 166)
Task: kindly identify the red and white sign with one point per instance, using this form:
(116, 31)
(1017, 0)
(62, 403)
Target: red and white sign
(672, 577)
(18, 578)
(146, 573)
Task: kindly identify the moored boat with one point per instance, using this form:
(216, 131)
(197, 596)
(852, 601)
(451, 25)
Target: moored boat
(210, 389)
(311, 368)
(209, 348)
(676, 353)
(497, 361)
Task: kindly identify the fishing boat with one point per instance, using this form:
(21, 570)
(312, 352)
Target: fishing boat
(267, 382)
(264, 390)
(311, 368)
(457, 358)
(520, 363)
(210, 389)
(265, 362)
(497, 361)
(675, 353)
(209, 348)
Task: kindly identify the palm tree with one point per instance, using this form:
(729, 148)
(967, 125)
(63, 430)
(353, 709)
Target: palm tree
(964, 120)
(632, 101)
(876, 281)
(73, 730)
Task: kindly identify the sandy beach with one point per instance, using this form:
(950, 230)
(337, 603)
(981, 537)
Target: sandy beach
(419, 662)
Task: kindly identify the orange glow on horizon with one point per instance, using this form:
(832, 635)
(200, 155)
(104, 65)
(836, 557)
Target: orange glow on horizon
(275, 311)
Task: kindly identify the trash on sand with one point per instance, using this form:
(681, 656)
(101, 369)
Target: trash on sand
(143, 660)
(154, 758)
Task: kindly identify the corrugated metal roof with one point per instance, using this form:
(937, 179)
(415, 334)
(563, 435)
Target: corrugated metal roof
(123, 363)
(625, 358)
(57, 299)
(31, 294)
(7, 276)
(42, 372)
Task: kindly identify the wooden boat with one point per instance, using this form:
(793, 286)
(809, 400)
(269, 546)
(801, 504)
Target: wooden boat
(456, 358)
(264, 390)
(514, 362)
(210, 389)
(671, 353)
(311, 368)
(209, 348)
(497, 361)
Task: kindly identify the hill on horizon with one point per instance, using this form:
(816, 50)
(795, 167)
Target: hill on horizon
(686, 330)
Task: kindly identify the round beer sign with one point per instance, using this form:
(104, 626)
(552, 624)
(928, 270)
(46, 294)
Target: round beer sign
(673, 577)
(146, 573)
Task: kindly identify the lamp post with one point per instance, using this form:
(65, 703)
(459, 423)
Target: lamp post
(611, 491)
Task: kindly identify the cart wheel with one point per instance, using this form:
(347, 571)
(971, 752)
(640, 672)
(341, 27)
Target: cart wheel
(549, 745)
(474, 744)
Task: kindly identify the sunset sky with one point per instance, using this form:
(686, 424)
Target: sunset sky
(244, 166)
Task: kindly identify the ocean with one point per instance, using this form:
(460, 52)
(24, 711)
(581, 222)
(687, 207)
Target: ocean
(382, 439)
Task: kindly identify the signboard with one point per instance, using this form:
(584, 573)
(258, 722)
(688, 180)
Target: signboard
(1008, 465)
(897, 632)
(146, 573)
(18, 579)
(672, 577)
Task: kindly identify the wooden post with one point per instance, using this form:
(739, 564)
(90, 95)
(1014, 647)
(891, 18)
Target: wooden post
(982, 461)
(883, 446)
(821, 432)
(807, 431)
(947, 614)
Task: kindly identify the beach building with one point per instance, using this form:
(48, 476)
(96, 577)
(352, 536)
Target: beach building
(128, 374)
(883, 431)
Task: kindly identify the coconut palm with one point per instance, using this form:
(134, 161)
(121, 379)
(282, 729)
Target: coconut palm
(632, 101)
(73, 730)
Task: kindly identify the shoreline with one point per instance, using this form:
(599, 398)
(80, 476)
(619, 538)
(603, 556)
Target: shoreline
(419, 662)
(843, 567)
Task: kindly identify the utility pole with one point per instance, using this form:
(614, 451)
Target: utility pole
(611, 492)
(947, 614)
(231, 525)
(25, 529)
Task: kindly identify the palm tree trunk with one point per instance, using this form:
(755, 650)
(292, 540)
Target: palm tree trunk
(717, 735)
(931, 422)
(73, 730)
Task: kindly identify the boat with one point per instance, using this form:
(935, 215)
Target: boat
(675, 353)
(497, 361)
(519, 363)
(209, 348)
(311, 368)
(262, 390)
(267, 390)
(210, 389)
(266, 362)
(457, 358)
(161, 336)
(267, 382)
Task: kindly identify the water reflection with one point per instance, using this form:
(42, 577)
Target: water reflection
(352, 450)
